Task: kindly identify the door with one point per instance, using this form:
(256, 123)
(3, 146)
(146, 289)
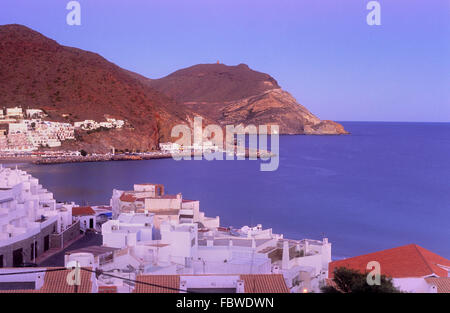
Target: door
(32, 252)
(46, 242)
(91, 223)
(17, 257)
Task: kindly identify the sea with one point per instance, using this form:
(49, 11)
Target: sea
(384, 185)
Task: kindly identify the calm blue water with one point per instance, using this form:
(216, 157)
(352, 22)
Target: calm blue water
(387, 184)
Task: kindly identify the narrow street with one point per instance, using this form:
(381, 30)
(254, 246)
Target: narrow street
(58, 258)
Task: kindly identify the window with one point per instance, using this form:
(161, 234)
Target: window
(22, 285)
(32, 252)
(17, 257)
(1, 261)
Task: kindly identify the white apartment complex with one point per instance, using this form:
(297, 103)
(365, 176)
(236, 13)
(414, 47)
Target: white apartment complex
(30, 218)
(24, 132)
(29, 135)
(92, 125)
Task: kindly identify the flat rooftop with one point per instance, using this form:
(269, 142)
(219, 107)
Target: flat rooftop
(95, 250)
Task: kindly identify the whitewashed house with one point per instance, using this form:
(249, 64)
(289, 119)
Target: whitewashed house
(15, 112)
(152, 198)
(86, 215)
(29, 218)
(128, 230)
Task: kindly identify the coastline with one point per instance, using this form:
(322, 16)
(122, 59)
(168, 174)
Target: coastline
(37, 160)
(100, 158)
(82, 159)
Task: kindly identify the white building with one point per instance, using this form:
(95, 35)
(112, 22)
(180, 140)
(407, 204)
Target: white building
(92, 125)
(15, 112)
(303, 263)
(86, 216)
(128, 230)
(19, 127)
(153, 241)
(19, 142)
(169, 147)
(151, 198)
(182, 241)
(34, 113)
(187, 250)
(29, 216)
(26, 135)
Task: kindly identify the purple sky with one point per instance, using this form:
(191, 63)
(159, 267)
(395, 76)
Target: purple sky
(323, 52)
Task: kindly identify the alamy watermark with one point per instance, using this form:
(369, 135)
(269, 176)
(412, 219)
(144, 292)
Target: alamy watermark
(74, 16)
(374, 276)
(374, 16)
(211, 143)
(74, 276)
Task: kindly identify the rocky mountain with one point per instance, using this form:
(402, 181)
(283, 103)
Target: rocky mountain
(231, 95)
(73, 85)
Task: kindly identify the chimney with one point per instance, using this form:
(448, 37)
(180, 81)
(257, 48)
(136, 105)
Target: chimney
(285, 259)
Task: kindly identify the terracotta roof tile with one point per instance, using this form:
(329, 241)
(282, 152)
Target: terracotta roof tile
(442, 283)
(405, 261)
(253, 283)
(82, 210)
(56, 282)
(172, 281)
(127, 198)
(264, 283)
